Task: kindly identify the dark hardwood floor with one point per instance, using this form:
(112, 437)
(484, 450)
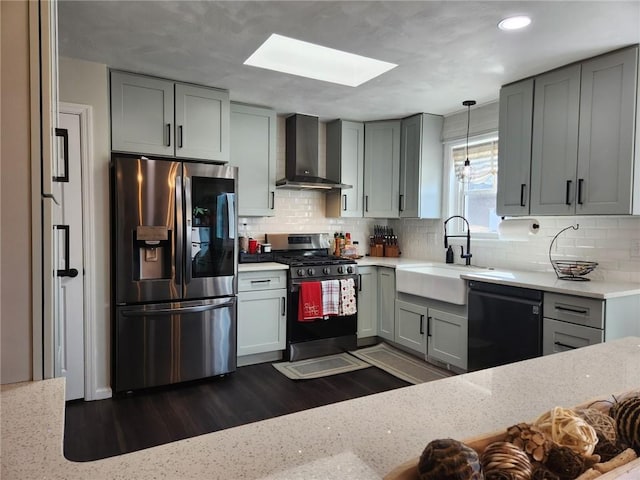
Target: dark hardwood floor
(105, 428)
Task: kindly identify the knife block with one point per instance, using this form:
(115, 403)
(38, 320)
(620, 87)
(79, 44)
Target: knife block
(376, 251)
(391, 251)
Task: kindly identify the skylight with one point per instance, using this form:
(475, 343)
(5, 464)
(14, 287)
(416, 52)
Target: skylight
(288, 55)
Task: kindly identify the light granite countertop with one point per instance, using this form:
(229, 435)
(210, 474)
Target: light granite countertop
(364, 438)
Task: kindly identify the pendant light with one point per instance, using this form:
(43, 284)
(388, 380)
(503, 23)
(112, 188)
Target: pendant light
(466, 170)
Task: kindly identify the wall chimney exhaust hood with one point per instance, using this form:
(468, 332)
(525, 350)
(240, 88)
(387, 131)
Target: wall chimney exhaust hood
(301, 161)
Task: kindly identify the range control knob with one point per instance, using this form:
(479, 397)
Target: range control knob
(300, 272)
(340, 269)
(326, 270)
(310, 271)
(349, 269)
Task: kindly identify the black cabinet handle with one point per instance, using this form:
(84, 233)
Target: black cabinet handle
(344, 198)
(565, 345)
(421, 324)
(359, 282)
(581, 311)
(261, 281)
(66, 271)
(168, 134)
(567, 199)
(522, 190)
(580, 183)
(366, 203)
(64, 134)
(180, 136)
(284, 305)
(400, 201)
(428, 326)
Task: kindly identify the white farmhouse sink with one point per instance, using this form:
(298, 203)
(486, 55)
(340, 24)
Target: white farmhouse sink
(435, 281)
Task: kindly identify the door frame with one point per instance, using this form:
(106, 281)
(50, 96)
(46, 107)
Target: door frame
(85, 112)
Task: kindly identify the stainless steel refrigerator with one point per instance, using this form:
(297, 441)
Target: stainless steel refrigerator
(174, 244)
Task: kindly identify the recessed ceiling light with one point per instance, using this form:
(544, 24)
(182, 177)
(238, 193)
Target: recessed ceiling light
(288, 55)
(514, 23)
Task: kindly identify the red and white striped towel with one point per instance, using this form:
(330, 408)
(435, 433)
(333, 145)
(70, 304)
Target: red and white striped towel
(330, 297)
(348, 297)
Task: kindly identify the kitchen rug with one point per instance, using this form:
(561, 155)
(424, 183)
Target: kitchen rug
(320, 367)
(400, 364)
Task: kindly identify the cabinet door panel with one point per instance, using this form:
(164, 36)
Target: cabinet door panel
(410, 156)
(411, 324)
(386, 302)
(367, 302)
(253, 150)
(261, 321)
(202, 123)
(554, 151)
(345, 164)
(447, 338)
(141, 114)
(382, 169)
(605, 153)
(514, 152)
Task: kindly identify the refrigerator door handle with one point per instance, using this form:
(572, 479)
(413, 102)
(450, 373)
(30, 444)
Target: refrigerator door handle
(178, 231)
(177, 311)
(188, 219)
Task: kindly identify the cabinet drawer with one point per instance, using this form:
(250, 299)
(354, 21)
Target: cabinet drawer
(265, 280)
(578, 310)
(563, 336)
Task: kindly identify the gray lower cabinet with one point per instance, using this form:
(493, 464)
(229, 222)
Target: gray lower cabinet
(572, 322)
(434, 329)
(421, 166)
(253, 151)
(367, 302)
(381, 169)
(345, 164)
(514, 149)
(386, 302)
(262, 312)
(155, 116)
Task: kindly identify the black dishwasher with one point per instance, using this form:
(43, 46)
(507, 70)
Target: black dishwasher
(505, 324)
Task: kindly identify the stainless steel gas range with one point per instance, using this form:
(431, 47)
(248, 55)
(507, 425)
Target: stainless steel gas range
(309, 261)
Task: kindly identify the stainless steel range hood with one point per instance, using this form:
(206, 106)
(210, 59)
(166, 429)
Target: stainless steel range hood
(301, 162)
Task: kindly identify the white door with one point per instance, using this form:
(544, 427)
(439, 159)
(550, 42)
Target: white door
(69, 334)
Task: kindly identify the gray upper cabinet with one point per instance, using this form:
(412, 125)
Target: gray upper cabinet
(421, 167)
(554, 150)
(345, 164)
(202, 123)
(141, 114)
(253, 150)
(382, 169)
(514, 152)
(606, 135)
(160, 117)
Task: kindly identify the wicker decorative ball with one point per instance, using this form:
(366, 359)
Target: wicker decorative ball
(449, 459)
(602, 423)
(567, 429)
(504, 460)
(627, 416)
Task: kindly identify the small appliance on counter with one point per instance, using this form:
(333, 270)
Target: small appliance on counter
(383, 243)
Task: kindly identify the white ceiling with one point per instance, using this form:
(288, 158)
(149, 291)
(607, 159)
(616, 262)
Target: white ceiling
(447, 51)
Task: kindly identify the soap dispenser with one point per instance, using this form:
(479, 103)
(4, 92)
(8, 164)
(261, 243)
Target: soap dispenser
(449, 255)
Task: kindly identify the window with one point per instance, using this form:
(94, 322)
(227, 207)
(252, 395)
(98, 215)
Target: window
(475, 197)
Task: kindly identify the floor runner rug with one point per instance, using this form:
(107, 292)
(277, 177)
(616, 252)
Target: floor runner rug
(320, 367)
(400, 364)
